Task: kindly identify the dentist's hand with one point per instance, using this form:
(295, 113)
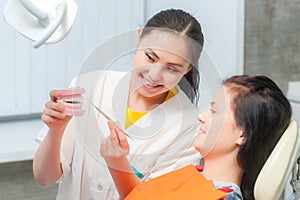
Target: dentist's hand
(114, 149)
(115, 146)
(53, 114)
(47, 167)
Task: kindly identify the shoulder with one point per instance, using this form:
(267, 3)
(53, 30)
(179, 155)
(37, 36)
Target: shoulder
(234, 192)
(99, 77)
(95, 75)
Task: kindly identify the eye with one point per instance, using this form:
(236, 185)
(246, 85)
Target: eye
(172, 69)
(149, 57)
(212, 110)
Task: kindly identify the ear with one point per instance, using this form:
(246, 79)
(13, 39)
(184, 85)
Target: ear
(140, 30)
(241, 137)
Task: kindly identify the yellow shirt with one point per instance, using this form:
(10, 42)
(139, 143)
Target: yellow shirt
(132, 116)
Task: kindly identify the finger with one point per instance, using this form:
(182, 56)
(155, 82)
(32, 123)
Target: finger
(53, 113)
(55, 94)
(57, 106)
(50, 120)
(103, 148)
(122, 138)
(112, 151)
(113, 134)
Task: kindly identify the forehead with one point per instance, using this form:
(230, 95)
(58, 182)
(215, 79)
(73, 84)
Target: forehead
(168, 42)
(223, 97)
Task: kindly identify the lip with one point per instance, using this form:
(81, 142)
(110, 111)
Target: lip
(201, 131)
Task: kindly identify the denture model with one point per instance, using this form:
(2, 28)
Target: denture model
(72, 99)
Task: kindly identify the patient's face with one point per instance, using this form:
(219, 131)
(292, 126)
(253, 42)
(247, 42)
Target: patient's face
(218, 133)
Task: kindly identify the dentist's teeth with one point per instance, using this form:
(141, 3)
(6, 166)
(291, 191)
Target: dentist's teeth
(148, 83)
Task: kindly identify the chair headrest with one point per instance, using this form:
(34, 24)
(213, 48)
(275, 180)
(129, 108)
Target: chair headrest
(274, 174)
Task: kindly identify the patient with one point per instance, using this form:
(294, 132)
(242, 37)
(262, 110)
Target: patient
(245, 120)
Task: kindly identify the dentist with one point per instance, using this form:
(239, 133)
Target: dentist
(152, 100)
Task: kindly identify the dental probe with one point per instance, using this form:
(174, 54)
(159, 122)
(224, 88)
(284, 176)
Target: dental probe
(106, 116)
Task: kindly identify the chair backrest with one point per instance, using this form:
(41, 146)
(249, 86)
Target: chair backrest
(274, 175)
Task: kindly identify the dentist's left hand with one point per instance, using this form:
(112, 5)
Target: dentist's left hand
(114, 149)
(115, 146)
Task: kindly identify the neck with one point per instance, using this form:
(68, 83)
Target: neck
(141, 103)
(223, 169)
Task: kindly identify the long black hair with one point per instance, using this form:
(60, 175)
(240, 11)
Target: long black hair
(264, 113)
(181, 22)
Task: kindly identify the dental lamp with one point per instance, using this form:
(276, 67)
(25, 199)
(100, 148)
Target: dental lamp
(42, 21)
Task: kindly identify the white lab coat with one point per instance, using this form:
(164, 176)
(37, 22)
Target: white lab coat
(163, 138)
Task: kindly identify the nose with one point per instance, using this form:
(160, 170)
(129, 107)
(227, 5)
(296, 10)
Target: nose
(155, 73)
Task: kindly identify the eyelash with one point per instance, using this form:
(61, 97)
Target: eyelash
(212, 111)
(172, 69)
(150, 58)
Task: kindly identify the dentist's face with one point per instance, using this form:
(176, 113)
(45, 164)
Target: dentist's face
(159, 64)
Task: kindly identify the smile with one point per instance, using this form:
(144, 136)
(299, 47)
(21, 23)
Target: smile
(149, 84)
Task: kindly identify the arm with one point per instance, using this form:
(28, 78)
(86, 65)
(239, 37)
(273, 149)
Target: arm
(46, 163)
(114, 149)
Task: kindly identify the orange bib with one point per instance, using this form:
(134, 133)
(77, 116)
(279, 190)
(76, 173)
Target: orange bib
(185, 183)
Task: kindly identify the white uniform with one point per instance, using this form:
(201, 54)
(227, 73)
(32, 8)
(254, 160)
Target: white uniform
(163, 138)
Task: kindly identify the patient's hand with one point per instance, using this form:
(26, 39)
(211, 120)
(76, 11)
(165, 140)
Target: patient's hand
(116, 145)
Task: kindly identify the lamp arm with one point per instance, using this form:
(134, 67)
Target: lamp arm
(60, 13)
(34, 10)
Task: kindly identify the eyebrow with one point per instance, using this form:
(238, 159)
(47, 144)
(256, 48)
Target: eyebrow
(212, 103)
(169, 63)
(217, 105)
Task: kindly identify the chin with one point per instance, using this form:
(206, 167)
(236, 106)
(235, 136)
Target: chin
(197, 147)
(151, 94)
(146, 94)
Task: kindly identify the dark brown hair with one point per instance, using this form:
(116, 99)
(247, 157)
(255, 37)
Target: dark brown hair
(179, 21)
(264, 113)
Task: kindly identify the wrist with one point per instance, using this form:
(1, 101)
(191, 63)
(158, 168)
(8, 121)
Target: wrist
(56, 132)
(119, 164)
